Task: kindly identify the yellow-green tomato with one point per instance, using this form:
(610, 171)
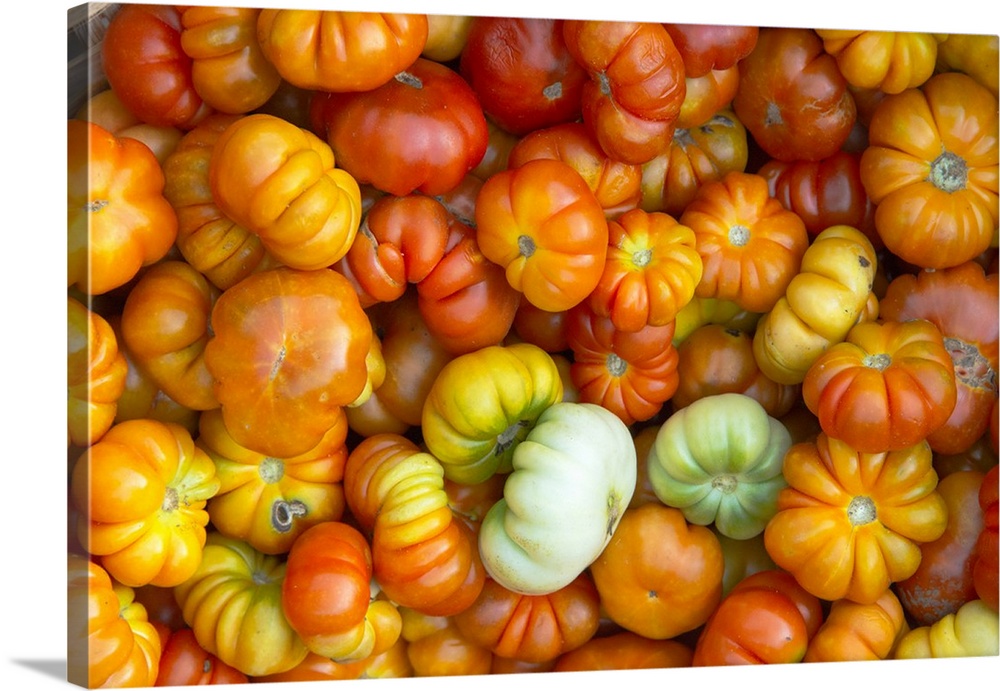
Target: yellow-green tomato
(482, 404)
(719, 461)
(572, 478)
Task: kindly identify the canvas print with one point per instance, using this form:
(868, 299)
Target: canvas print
(418, 345)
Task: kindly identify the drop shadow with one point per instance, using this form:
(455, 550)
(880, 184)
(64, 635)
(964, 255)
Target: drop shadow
(52, 668)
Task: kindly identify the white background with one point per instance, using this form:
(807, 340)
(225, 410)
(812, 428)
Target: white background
(32, 251)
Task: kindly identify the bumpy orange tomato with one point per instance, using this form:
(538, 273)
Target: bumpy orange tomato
(650, 273)
(853, 631)
(96, 374)
(141, 493)
(289, 349)
(637, 86)
(631, 373)
(112, 643)
(851, 523)
(165, 326)
(543, 224)
(931, 170)
(891, 61)
(533, 628)
(886, 386)
(695, 156)
(269, 501)
(228, 67)
(330, 50)
(716, 359)
(962, 302)
(792, 97)
(326, 595)
(280, 181)
(423, 557)
(117, 217)
(751, 246)
(614, 183)
(221, 249)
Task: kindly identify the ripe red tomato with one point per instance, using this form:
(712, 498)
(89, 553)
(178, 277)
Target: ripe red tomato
(522, 72)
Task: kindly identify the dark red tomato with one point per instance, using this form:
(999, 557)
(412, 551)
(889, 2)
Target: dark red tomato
(148, 69)
(792, 97)
(423, 130)
(707, 47)
(943, 581)
(522, 72)
(823, 193)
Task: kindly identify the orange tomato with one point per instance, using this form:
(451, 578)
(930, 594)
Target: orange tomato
(659, 577)
(118, 219)
(750, 245)
(543, 224)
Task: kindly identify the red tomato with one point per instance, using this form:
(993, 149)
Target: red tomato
(422, 130)
(522, 72)
(147, 68)
(792, 97)
(637, 86)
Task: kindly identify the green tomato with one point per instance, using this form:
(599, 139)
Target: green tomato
(719, 461)
(573, 477)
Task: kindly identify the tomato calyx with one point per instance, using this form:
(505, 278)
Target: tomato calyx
(878, 361)
(949, 172)
(726, 484)
(409, 79)
(641, 258)
(171, 500)
(553, 91)
(616, 365)
(739, 235)
(861, 511)
(526, 245)
(509, 436)
(971, 368)
(284, 513)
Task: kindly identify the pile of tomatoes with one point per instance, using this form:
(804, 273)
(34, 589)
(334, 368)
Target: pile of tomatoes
(423, 345)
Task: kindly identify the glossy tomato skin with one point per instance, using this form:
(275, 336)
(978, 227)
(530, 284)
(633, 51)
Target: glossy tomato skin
(373, 133)
(707, 47)
(767, 618)
(229, 69)
(96, 374)
(543, 224)
(289, 349)
(185, 663)
(962, 302)
(931, 169)
(615, 184)
(984, 565)
(824, 193)
(522, 72)
(560, 621)
(792, 97)
(637, 86)
(943, 581)
(860, 387)
(659, 576)
(330, 50)
(118, 220)
(146, 65)
(112, 642)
